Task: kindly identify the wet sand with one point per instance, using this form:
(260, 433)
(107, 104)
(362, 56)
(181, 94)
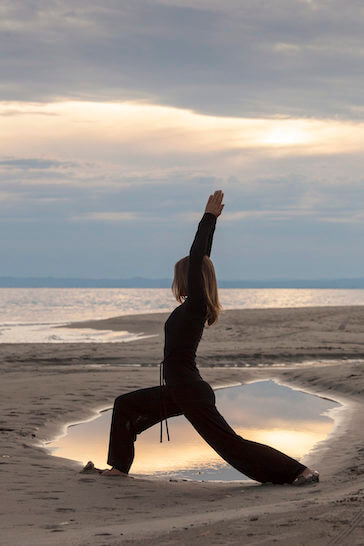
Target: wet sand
(46, 501)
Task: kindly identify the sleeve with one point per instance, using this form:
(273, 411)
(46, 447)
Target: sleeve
(211, 236)
(201, 247)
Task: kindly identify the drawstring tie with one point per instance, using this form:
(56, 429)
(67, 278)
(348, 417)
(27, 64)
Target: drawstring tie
(162, 407)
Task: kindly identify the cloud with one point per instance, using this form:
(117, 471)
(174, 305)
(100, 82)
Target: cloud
(106, 217)
(135, 138)
(89, 192)
(10, 112)
(283, 58)
(34, 163)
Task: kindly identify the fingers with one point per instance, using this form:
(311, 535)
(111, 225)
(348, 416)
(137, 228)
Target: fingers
(218, 196)
(214, 203)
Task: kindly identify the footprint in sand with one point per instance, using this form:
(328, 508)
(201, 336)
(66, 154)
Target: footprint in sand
(46, 498)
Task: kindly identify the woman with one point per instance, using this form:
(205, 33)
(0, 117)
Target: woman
(182, 390)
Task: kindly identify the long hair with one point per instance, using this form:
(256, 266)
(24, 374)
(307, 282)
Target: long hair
(179, 286)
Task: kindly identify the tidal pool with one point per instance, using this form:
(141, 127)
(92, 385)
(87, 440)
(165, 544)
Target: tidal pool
(290, 420)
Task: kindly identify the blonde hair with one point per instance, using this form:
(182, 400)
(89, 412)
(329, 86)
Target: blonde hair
(179, 286)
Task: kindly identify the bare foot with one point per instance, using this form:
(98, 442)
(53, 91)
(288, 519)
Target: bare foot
(306, 477)
(90, 468)
(113, 472)
(308, 472)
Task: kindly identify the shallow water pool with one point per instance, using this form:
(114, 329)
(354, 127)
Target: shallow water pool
(288, 419)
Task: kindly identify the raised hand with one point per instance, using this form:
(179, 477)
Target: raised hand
(214, 203)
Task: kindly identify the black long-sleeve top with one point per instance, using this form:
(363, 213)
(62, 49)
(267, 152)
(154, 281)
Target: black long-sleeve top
(184, 327)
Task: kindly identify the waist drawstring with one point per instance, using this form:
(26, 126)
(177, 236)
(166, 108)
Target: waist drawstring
(161, 402)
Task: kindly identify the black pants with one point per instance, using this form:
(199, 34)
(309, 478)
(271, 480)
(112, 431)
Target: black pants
(136, 411)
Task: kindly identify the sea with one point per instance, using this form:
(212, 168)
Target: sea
(41, 315)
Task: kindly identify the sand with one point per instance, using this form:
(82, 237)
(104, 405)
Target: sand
(46, 501)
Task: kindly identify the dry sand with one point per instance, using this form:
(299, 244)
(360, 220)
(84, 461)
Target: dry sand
(46, 501)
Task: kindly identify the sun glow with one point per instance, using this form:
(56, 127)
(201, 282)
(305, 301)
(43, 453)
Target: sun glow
(287, 135)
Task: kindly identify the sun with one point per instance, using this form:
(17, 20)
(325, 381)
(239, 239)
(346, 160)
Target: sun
(286, 135)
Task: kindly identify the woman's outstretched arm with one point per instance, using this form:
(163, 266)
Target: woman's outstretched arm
(201, 247)
(214, 206)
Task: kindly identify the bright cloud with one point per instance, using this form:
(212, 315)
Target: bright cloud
(105, 130)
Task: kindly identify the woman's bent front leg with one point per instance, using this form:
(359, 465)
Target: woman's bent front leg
(132, 413)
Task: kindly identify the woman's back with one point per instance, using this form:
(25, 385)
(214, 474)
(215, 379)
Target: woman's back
(183, 331)
(184, 327)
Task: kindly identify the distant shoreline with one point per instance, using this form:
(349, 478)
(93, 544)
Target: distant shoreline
(141, 282)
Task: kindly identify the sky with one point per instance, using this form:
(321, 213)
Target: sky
(119, 119)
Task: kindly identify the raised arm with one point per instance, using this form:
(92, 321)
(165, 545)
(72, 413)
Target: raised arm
(201, 247)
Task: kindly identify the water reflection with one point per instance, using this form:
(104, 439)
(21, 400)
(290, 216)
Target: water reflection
(264, 411)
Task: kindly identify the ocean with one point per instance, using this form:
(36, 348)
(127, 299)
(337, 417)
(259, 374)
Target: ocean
(30, 314)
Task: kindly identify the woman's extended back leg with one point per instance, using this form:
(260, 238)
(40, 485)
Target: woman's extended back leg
(258, 461)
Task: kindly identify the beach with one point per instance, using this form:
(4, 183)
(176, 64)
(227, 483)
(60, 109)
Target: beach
(46, 500)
